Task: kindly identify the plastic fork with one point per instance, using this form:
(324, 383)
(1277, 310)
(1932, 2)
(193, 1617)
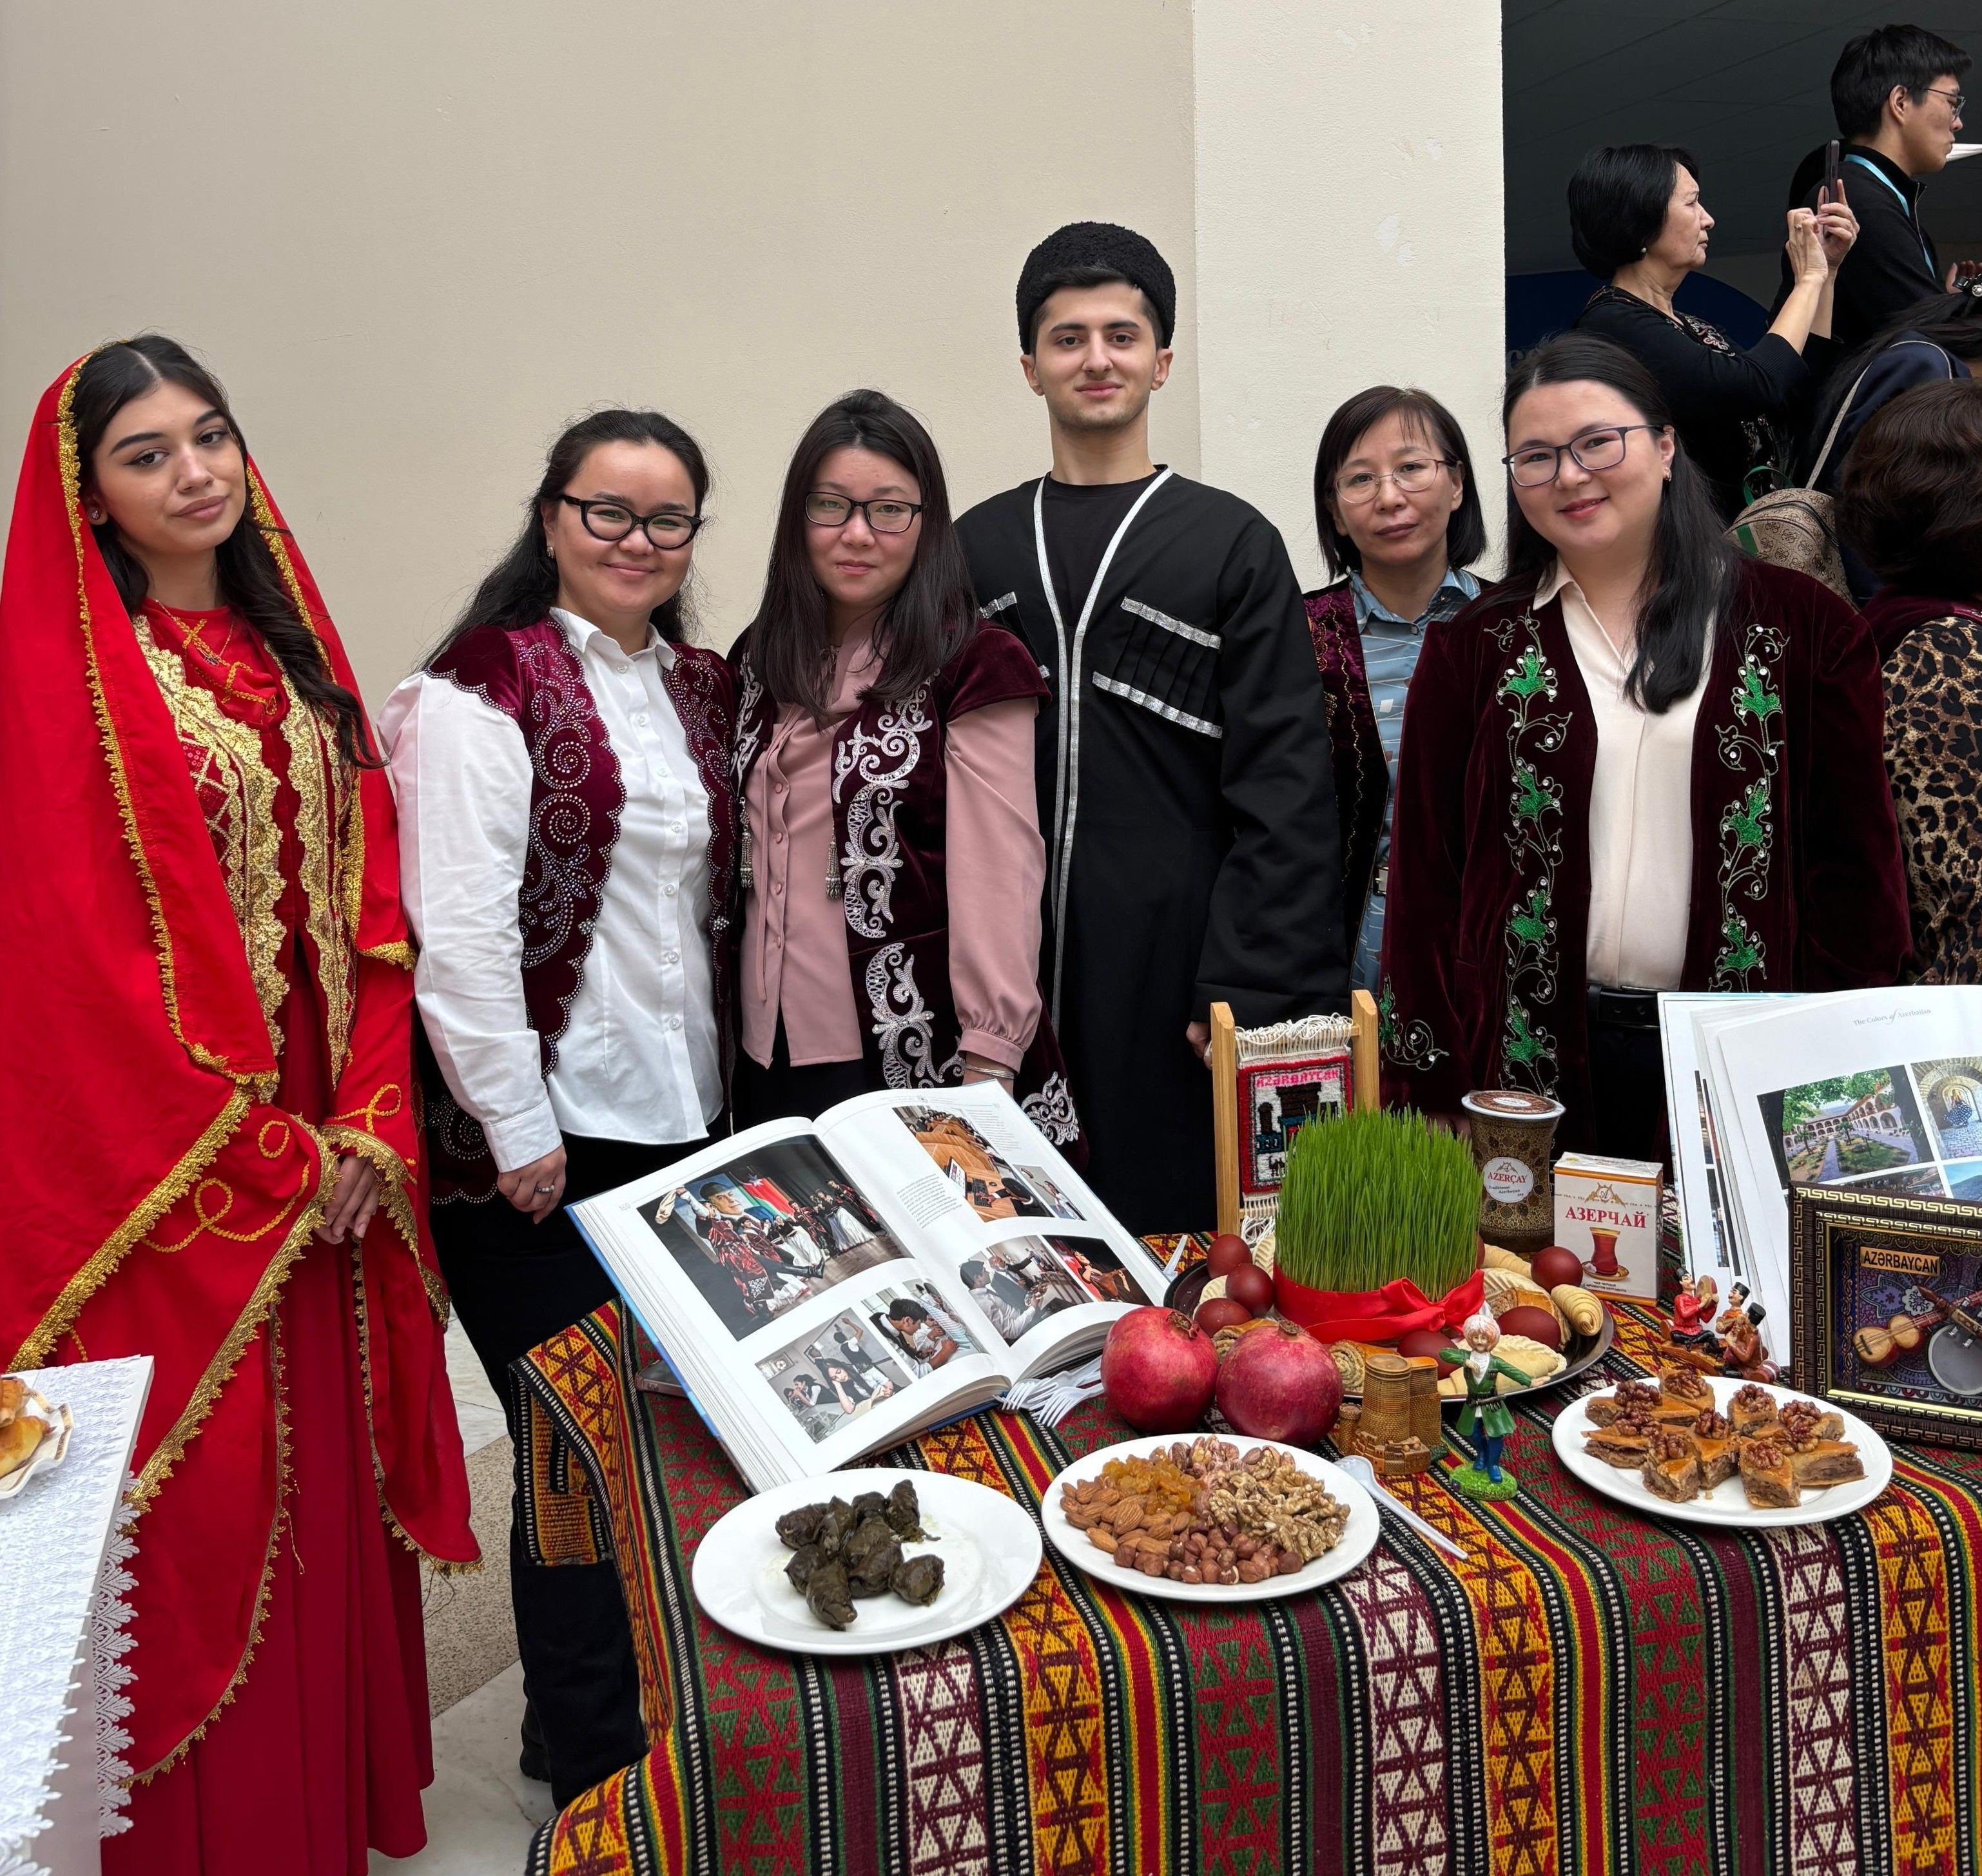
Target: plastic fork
(1364, 1473)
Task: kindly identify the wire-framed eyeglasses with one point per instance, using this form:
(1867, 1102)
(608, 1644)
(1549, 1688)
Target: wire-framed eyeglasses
(613, 521)
(1411, 478)
(885, 514)
(1536, 464)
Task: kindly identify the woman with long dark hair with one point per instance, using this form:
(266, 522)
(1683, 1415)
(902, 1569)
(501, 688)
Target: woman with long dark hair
(891, 858)
(562, 762)
(1398, 510)
(1640, 763)
(1636, 221)
(208, 1035)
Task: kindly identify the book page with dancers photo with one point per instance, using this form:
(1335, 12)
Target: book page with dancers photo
(821, 1291)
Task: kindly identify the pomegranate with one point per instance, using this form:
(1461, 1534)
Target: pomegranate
(1280, 1384)
(1555, 1266)
(1251, 1286)
(1220, 1313)
(1228, 1252)
(1158, 1371)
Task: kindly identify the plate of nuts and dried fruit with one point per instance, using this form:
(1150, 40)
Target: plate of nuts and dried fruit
(1209, 1520)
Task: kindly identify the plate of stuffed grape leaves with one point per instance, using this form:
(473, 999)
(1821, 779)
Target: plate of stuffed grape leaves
(865, 1562)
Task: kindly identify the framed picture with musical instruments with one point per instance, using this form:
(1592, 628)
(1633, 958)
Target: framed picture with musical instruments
(1886, 1292)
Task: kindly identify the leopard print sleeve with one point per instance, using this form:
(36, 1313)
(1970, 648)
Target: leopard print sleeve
(1933, 756)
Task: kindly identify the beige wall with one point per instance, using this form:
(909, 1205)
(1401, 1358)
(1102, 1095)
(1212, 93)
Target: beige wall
(1350, 232)
(414, 238)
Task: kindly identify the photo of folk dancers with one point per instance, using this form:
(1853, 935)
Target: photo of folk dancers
(769, 1230)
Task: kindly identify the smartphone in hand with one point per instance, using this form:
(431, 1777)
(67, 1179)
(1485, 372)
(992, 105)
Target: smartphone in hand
(1832, 186)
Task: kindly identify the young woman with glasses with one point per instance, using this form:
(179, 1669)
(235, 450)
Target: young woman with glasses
(892, 861)
(1641, 763)
(1399, 516)
(562, 763)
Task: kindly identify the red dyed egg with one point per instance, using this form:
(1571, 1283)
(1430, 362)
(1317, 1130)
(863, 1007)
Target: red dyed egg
(1228, 1252)
(1251, 1286)
(1537, 1324)
(1222, 1312)
(1424, 1342)
(1556, 1266)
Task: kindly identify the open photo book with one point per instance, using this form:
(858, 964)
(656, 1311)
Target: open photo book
(824, 1289)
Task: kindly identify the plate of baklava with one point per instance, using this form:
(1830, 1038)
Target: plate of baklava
(1711, 1450)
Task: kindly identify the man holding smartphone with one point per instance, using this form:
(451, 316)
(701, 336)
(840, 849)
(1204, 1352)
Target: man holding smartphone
(1897, 97)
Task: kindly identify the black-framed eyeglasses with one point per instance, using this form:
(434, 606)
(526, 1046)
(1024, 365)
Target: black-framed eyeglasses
(1539, 464)
(613, 521)
(1413, 478)
(1956, 99)
(885, 514)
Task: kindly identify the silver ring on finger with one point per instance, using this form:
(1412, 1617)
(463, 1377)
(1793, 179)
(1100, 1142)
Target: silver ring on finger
(546, 1190)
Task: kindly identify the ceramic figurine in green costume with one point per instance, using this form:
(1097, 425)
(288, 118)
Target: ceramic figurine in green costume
(1482, 1368)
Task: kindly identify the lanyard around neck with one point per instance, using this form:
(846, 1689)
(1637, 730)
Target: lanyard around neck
(1066, 766)
(1873, 169)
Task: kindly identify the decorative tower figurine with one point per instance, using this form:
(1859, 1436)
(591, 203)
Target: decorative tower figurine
(1485, 1417)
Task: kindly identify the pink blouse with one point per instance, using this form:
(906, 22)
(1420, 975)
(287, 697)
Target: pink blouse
(794, 925)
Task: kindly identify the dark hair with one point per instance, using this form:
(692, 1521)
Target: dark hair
(1872, 64)
(1909, 501)
(908, 1306)
(1090, 274)
(250, 581)
(523, 586)
(1692, 573)
(921, 627)
(1951, 320)
(1466, 532)
(1617, 202)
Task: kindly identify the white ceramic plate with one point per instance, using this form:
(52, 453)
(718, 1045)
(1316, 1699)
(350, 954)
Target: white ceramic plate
(50, 1453)
(1727, 1503)
(989, 1545)
(1358, 1539)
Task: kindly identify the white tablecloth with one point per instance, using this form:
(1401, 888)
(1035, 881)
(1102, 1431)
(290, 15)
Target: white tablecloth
(64, 1576)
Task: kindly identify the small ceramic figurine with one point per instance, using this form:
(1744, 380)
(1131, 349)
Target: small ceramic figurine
(1485, 1418)
(1685, 1311)
(1741, 1348)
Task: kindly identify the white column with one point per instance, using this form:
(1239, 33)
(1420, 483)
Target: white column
(1349, 232)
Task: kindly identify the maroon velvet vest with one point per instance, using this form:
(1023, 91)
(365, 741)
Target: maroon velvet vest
(1362, 780)
(535, 677)
(889, 785)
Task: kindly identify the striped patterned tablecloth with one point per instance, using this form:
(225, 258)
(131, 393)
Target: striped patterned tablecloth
(1588, 1691)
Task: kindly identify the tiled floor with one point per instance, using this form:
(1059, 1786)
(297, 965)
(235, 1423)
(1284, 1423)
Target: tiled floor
(481, 1811)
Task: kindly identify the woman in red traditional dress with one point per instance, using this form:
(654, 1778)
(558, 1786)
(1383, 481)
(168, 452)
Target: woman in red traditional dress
(208, 1095)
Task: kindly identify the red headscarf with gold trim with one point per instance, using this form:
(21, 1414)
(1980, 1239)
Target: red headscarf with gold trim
(158, 1199)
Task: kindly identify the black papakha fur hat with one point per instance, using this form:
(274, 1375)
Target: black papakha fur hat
(1099, 244)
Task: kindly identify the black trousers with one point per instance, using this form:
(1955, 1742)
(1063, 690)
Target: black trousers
(514, 1283)
(781, 1090)
(1627, 1075)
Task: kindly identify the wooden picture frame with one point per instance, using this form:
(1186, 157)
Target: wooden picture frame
(1225, 1074)
(1861, 1264)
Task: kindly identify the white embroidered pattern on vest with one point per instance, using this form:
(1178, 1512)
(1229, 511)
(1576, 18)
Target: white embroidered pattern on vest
(902, 1025)
(1051, 1110)
(873, 855)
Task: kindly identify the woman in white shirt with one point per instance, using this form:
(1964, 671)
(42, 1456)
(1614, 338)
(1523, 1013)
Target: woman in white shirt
(567, 832)
(1640, 763)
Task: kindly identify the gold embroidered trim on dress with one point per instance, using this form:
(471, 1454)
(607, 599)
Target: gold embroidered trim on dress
(392, 1176)
(250, 866)
(394, 950)
(62, 1313)
(69, 462)
(315, 771)
(199, 1403)
(264, 1588)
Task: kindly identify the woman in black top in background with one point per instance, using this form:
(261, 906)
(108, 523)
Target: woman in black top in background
(1636, 221)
